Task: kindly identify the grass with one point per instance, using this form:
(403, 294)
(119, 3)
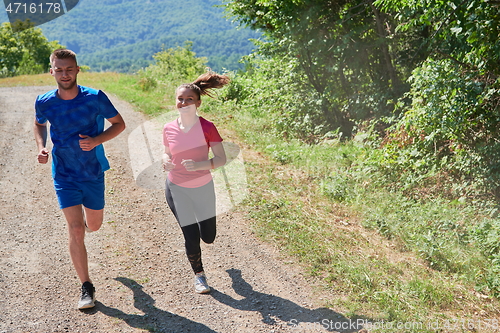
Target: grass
(370, 275)
(377, 254)
(123, 86)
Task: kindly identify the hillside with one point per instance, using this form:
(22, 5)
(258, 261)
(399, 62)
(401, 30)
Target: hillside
(122, 35)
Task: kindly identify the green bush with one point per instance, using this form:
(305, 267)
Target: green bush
(275, 88)
(335, 188)
(178, 65)
(450, 128)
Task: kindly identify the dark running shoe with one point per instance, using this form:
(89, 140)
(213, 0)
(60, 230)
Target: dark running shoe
(87, 229)
(87, 299)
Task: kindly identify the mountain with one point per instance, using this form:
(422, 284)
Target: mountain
(122, 35)
(3, 15)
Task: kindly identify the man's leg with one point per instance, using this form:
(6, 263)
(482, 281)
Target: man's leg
(70, 196)
(93, 202)
(94, 218)
(76, 229)
(77, 250)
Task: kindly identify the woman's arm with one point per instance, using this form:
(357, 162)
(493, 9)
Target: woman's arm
(218, 160)
(167, 160)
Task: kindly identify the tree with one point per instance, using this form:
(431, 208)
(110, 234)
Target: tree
(180, 62)
(342, 49)
(11, 51)
(24, 52)
(452, 122)
(455, 29)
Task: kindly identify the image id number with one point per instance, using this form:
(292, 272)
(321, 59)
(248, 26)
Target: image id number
(33, 8)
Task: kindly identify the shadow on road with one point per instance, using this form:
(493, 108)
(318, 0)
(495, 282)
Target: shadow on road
(154, 319)
(271, 307)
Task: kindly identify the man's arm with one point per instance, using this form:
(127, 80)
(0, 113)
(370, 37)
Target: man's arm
(88, 143)
(40, 131)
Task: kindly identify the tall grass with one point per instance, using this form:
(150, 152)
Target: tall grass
(382, 255)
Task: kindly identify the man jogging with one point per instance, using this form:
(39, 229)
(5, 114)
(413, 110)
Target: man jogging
(76, 115)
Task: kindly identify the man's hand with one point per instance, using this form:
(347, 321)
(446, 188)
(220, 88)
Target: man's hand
(43, 156)
(87, 143)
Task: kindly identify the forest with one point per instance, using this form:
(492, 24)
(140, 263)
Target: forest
(413, 87)
(123, 35)
(422, 76)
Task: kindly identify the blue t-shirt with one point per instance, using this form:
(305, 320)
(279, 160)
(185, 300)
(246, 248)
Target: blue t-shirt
(83, 114)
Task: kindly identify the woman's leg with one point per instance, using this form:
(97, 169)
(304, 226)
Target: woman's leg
(181, 205)
(208, 230)
(205, 210)
(192, 243)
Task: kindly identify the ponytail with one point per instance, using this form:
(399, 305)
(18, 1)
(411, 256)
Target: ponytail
(206, 82)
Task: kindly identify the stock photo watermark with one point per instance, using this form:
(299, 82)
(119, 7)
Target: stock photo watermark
(26, 14)
(357, 324)
(146, 150)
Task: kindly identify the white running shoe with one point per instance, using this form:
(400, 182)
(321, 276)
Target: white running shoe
(200, 283)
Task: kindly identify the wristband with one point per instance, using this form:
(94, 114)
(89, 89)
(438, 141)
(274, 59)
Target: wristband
(212, 163)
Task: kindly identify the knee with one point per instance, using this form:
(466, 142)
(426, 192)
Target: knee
(208, 230)
(76, 231)
(209, 239)
(94, 219)
(94, 225)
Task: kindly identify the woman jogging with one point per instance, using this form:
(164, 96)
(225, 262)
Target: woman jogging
(190, 190)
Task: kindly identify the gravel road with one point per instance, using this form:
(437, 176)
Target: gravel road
(137, 261)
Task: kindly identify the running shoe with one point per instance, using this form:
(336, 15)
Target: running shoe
(200, 283)
(87, 229)
(87, 299)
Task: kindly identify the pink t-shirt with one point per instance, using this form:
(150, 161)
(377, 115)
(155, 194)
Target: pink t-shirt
(192, 145)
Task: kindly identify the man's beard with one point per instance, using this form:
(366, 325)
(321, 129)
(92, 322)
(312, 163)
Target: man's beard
(66, 85)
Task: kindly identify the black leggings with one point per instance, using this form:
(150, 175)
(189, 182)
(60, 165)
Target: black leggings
(194, 209)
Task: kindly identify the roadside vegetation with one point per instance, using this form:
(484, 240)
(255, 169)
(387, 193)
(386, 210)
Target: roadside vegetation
(383, 188)
(378, 253)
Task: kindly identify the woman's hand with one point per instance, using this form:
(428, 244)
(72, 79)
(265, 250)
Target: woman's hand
(167, 163)
(190, 165)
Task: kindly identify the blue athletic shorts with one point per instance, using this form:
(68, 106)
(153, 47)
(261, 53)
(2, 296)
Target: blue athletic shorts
(90, 193)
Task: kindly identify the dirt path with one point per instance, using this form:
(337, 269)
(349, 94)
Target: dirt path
(137, 260)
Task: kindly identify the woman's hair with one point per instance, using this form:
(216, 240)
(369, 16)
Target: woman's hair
(205, 83)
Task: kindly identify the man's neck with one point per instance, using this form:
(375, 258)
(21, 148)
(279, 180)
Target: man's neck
(67, 94)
